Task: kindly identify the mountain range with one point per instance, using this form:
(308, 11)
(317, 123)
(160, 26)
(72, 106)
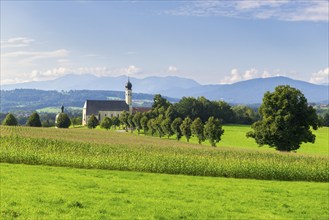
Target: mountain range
(243, 92)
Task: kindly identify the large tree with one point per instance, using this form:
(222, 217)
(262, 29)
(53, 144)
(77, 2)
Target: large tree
(213, 131)
(285, 121)
(34, 120)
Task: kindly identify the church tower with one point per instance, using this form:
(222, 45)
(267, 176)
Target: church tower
(129, 96)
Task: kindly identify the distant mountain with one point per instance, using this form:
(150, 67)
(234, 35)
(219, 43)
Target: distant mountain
(91, 82)
(244, 92)
(252, 91)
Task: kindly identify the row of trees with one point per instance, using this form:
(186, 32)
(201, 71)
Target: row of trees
(62, 120)
(285, 119)
(211, 130)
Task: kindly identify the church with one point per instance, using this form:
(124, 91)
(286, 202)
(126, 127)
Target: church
(108, 108)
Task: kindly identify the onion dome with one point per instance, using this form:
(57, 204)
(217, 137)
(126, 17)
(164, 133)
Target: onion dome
(129, 85)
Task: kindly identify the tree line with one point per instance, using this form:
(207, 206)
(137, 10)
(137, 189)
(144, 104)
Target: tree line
(283, 122)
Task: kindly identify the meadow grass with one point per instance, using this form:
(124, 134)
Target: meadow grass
(235, 136)
(83, 148)
(43, 192)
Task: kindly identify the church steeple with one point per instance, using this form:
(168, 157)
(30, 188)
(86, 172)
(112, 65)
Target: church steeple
(128, 95)
(129, 85)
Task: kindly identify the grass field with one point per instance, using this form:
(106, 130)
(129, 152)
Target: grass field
(43, 192)
(235, 136)
(84, 148)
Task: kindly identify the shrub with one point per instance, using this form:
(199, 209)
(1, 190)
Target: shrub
(92, 122)
(10, 120)
(34, 120)
(62, 120)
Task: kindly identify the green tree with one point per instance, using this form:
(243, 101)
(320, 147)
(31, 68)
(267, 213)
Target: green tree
(326, 120)
(213, 131)
(166, 128)
(157, 125)
(189, 107)
(197, 129)
(151, 124)
(159, 101)
(137, 121)
(116, 121)
(62, 121)
(34, 120)
(285, 121)
(244, 115)
(131, 123)
(76, 120)
(170, 113)
(124, 119)
(10, 120)
(144, 126)
(175, 127)
(106, 123)
(92, 122)
(185, 127)
(224, 112)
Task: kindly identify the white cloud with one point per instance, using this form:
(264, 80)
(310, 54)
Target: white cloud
(34, 55)
(172, 69)
(321, 77)
(287, 10)
(16, 42)
(131, 70)
(36, 75)
(253, 73)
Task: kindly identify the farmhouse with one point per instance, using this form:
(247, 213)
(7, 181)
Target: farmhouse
(108, 108)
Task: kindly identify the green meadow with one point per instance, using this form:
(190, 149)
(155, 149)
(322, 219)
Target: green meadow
(44, 192)
(79, 173)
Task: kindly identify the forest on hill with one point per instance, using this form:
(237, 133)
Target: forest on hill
(20, 100)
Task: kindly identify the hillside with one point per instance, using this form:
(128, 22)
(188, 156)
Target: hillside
(32, 99)
(244, 92)
(91, 82)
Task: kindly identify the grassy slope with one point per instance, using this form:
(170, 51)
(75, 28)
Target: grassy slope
(32, 192)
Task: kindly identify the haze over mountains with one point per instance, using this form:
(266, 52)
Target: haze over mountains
(244, 92)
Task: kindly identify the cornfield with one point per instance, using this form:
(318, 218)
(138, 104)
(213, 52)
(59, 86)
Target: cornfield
(81, 148)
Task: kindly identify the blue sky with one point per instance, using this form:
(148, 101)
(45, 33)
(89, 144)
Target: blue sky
(211, 42)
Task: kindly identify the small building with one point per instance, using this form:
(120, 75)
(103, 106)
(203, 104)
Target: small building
(108, 108)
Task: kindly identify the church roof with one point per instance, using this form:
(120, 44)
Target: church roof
(94, 106)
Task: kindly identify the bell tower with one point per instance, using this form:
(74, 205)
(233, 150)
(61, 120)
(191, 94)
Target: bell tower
(128, 95)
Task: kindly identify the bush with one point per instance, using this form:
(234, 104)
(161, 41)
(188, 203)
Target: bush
(92, 122)
(34, 120)
(62, 121)
(106, 123)
(10, 120)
